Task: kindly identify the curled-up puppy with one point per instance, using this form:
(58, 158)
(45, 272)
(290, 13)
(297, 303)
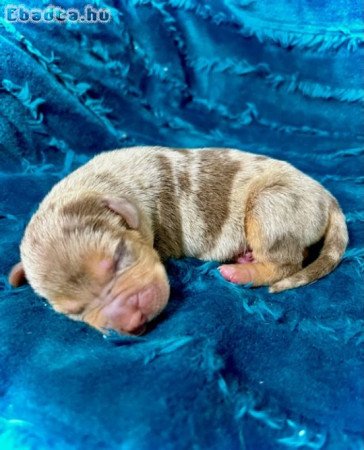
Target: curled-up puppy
(94, 249)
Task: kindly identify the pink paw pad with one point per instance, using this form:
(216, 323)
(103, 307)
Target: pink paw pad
(236, 273)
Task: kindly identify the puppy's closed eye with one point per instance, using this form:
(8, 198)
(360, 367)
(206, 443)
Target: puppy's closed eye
(123, 256)
(119, 254)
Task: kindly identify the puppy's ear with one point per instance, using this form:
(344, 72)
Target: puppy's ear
(17, 275)
(126, 209)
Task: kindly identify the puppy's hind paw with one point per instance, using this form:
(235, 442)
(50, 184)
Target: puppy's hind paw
(238, 273)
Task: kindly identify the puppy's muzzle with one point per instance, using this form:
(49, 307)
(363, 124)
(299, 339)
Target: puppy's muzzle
(131, 313)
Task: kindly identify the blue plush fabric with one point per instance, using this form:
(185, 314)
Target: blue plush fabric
(224, 367)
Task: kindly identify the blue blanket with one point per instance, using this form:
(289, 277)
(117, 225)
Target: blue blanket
(224, 367)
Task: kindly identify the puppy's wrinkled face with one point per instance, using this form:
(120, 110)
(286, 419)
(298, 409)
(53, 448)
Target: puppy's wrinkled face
(120, 288)
(106, 275)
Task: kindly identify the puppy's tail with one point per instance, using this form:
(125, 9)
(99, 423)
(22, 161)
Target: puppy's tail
(335, 242)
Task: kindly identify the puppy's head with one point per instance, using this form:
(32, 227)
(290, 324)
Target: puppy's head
(89, 259)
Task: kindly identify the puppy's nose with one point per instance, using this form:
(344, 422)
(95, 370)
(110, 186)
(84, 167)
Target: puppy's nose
(139, 331)
(123, 316)
(147, 297)
(136, 323)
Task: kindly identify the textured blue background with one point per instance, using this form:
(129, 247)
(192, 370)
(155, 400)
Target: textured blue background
(224, 367)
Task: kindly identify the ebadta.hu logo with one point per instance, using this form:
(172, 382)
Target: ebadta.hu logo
(56, 14)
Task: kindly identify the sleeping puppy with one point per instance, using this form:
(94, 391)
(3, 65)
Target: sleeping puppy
(94, 249)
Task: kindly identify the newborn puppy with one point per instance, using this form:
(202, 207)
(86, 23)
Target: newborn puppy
(94, 249)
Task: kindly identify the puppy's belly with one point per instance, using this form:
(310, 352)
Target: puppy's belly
(217, 247)
(214, 229)
(209, 230)
(195, 238)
